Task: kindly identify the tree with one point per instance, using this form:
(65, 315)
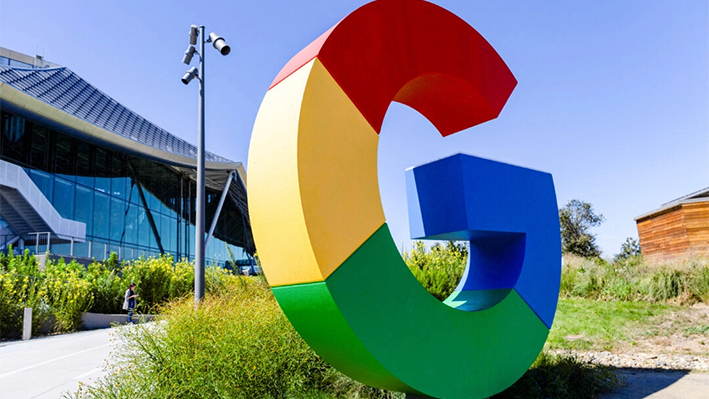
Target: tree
(576, 219)
(630, 248)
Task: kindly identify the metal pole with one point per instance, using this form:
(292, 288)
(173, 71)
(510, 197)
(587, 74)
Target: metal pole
(199, 222)
(219, 209)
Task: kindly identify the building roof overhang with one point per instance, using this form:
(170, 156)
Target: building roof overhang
(695, 197)
(96, 117)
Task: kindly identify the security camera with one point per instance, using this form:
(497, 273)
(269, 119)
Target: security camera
(219, 43)
(194, 32)
(189, 53)
(189, 75)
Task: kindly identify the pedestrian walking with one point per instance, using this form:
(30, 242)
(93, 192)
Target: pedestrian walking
(129, 301)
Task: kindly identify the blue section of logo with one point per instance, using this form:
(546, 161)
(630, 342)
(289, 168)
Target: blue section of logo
(509, 216)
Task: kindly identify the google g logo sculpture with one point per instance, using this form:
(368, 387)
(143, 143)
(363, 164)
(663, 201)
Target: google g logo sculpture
(320, 228)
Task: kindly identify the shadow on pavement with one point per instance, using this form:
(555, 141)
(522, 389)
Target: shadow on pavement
(644, 383)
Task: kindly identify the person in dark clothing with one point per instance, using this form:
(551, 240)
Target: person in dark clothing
(129, 301)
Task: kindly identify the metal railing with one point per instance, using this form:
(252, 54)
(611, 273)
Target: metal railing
(40, 243)
(43, 239)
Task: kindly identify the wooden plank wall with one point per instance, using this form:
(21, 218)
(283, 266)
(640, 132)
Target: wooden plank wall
(696, 217)
(664, 234)
(681, 231)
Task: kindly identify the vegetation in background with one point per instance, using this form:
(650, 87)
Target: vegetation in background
(239, 344)
(576, 219)
(587, 324)
(438, 269)
(603, 325)
(20, 291)
(60, 292)
(629, 249)
(68, 293)
(631, 279)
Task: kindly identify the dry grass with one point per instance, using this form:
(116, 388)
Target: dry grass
(677, 282)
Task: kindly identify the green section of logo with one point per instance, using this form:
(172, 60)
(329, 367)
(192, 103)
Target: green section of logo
(376, 323)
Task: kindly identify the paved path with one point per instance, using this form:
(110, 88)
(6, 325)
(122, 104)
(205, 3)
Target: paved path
(44, 368)
(662, 384)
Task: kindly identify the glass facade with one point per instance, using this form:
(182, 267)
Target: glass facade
(14, 63)
(124, 200)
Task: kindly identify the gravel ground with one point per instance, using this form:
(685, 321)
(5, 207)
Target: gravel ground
(643, 360)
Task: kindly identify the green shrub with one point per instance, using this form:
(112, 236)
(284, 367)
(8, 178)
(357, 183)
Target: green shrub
(65, 290)
(237, 344)
(21, 285)
(631, 279)
(666, 284)
(581, 278)
(69, 294)
(216, 279)
(106, 287)
(439, 269)
(157, 280)
(182, 280)
(698, 279)
(562, 377)
(152, 277)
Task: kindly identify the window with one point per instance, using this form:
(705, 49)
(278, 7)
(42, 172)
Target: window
(84, 162)
(84, 211)
(44, 181)
(40, 151)
(102, 206)
(64, 156)
(64, 197)
(118, 212)
(120, 187)
(144, 231)
(131, 236)
(101, 170)
(14, 139)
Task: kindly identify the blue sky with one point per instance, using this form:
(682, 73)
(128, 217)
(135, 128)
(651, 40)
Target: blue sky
(613, 96)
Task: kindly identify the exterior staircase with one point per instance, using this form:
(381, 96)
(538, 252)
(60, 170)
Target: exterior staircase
(27, 211)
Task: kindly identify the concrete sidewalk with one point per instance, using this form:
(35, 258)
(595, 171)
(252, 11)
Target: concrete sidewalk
(662, 384)
(44, 368)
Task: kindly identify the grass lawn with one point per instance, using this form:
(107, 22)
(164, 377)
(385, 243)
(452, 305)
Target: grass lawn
(587, 324)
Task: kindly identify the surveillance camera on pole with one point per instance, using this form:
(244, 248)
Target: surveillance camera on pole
(189, 75)
(200, 245)
(219, 43)
(194, 32)
(189, 53)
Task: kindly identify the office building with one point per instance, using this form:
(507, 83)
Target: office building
(82, 176)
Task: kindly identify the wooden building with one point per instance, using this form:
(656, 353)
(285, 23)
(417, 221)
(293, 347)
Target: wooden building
(678, 229)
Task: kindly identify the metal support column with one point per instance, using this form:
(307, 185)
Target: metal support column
(150, 217)
(219, 209)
